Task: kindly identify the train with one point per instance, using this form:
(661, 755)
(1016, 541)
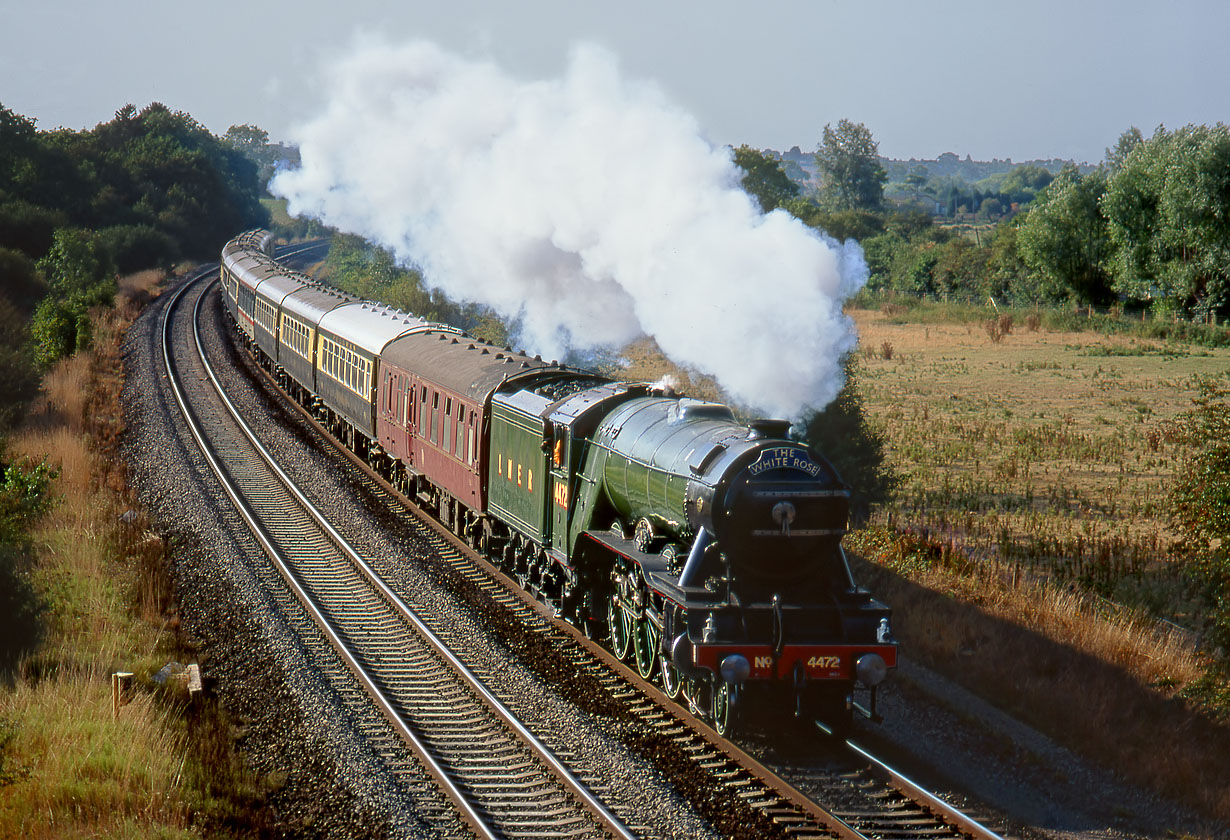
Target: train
(703, 551)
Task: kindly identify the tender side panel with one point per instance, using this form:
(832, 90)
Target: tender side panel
(517, 479)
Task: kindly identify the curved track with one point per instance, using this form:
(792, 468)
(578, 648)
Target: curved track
(478, 753)
(504, 782)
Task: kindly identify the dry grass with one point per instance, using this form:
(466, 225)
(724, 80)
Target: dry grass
(1050, 449)
(1036, 467)
(79, 773)
(67, 769)
(1105, 686)
(1044, 455)
(642, 361)
(76, 772)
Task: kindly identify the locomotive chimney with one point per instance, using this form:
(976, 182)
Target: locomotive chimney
(763, 427)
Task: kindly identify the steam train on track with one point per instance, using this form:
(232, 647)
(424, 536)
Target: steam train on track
(706, 553)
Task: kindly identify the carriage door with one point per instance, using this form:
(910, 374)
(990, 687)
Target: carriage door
(558, 458)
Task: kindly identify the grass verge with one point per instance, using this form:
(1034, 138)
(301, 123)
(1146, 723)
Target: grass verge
(1108, 685)
(69, 767)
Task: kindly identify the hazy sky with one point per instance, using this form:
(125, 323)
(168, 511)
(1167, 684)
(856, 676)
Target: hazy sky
(1020, 80)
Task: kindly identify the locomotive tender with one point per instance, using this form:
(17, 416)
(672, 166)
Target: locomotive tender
(706, 552)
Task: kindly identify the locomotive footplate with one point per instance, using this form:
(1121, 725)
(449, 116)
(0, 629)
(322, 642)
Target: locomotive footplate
(657, 572)
(820, 662)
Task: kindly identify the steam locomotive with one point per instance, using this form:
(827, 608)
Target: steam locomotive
(705, 552)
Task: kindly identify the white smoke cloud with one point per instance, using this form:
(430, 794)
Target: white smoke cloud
(588, 207)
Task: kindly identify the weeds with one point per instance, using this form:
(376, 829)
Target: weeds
(998, 327)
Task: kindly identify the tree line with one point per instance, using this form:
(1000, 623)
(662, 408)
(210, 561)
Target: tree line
(1148, 228)
(77, 208)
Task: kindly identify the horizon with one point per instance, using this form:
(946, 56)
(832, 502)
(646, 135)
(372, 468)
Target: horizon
(1055, 81)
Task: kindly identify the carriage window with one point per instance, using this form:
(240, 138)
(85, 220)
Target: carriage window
(472, 450)
(446, 439)
(435, 414)
(461, 431)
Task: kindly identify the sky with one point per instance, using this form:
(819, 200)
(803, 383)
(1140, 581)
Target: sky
(1023, 81)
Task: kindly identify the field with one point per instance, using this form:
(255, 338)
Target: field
(1037, 457)
(1049, 450)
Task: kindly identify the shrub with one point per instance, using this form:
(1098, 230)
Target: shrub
(137, 247)
(1200, 503)
(25, 493)
(58, 329)
(994, 330)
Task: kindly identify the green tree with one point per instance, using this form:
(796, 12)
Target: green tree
(1128, 140)
(19, 379)
(960, 268)
(247, 137)
(913, 268)
(27, 227)
(841, 225)
(1065, 239)
(849, 162)
(81, 274)
(253, 143)
(880, 253)
(79, 268)
(1006, 276)
(764, 179)
(1023, 183)
(1168, 210)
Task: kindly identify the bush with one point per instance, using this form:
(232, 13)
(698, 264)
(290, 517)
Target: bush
(842, 434)
(28, 228)
(137, 247)
(19, 378)
(1200, 503)
(23, 287)
(994, 329)
(25, 494)
(79, 267)
(59, 329)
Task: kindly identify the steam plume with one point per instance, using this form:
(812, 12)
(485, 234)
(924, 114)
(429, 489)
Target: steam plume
(588, 208)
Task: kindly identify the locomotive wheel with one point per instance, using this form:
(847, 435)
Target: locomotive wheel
(696, 692)
(648, 643)
(669, 677)
(621, 628)
(725, 707)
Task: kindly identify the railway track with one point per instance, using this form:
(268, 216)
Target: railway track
(370, 631)
(502, 780)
